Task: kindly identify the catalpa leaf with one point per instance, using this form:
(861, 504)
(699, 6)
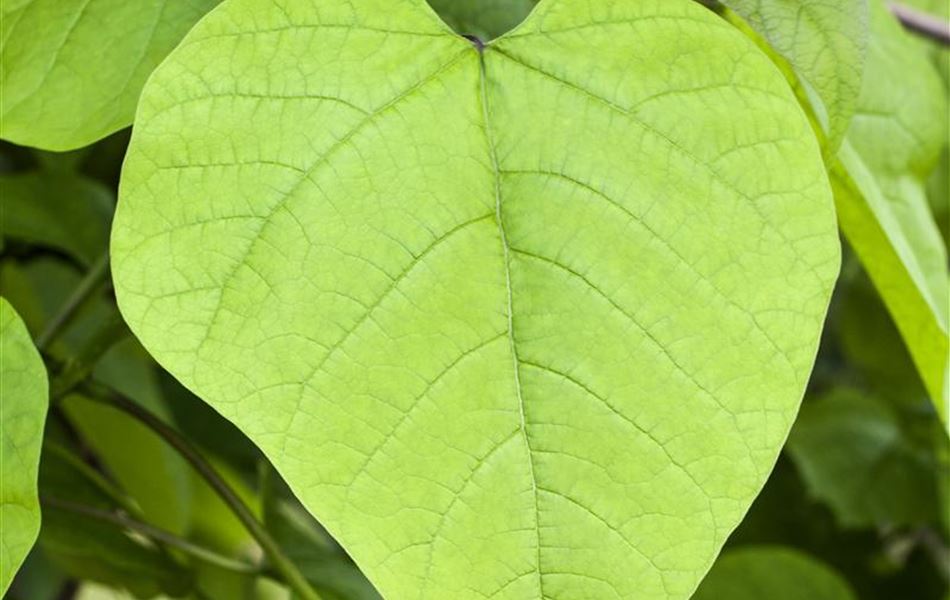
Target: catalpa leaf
(772, 572)
(894, 140)
(23, 393)
(825, 43)
(72, 70)
(526, 321)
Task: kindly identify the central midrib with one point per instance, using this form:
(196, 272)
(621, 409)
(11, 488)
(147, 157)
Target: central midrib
(506, 256)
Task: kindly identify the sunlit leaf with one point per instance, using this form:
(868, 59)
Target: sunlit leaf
(532, 322)
(72, 70)
(23, 393)
(772, 573)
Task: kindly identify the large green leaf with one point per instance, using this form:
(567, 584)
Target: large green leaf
(894, 140)
(23, 397)
(772, 573)
(527, 322)
(825, 42)
(72, 70)
(859, 455)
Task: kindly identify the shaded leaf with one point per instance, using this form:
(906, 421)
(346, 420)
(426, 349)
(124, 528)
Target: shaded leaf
(486, 19)
(24, 392)
(856, 453)
(773, 573)
(73, 69)
(63, 211)
(502, 320)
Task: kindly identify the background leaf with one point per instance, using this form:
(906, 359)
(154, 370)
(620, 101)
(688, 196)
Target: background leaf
(894, 141)
(72, 70)
(857, 453)
(825, 42)
(486, 19)
(25, 398)
(775, 573)
(638, 317)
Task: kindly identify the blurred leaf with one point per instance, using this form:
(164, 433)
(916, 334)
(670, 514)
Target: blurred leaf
(98, 551)
(825, 42)
(857, 454)
(63, 211)
(73, 69)
(771, 573)
(92, 591)
(895, 138)
(89, 549)
(25, 398)
(486, 19)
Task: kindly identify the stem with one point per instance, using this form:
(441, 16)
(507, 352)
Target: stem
(97, 272)
(282, 565)
(93, 477)
(922, 23)
(151, 532)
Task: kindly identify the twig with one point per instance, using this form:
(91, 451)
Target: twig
(921, 23)
(281, 564)
(97, 272)
(151, 532)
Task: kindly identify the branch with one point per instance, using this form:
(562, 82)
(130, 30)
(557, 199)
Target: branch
(281, 564)
(921, 23)
(151, 532)
(90, 282)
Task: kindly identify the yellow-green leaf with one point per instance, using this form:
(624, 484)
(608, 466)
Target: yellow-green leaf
(23, 402)
(532, 321)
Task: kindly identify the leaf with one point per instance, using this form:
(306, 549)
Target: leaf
(895, 138)
(825, 43)
(856, 453)
(62, 210)
(534, 322)
(25, 398)
(73, 69)
(773, 572)
(96, 551)
(486, 19)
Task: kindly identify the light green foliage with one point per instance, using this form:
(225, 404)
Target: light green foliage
(532, 323)
(825, 43)
(895, 138)
(72, 70)
(60, 210)
(860, 455)
(23, 402)
(486, 19)
(772, 573)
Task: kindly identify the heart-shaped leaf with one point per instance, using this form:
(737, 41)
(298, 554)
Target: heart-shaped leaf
(531, 321)
(23, 387)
